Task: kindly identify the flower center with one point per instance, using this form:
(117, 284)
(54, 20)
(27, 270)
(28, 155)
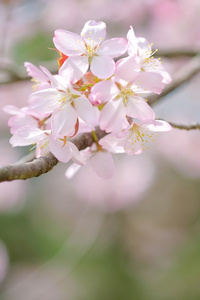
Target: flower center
(141, 135)
(125, 92)
(91, 46)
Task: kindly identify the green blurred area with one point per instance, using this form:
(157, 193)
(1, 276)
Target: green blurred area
(35, 49)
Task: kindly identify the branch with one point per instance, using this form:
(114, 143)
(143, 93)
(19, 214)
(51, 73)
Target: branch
(181, 77)
(186, 127)
(45, 163)
(176, 53)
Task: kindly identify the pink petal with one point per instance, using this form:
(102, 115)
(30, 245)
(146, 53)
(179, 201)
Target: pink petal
(62, 152)
(138, 108)
(103, 91)
(113, 144)
(144, 47)
(35, 72)
(133, 145)
(161, 70)
(102, 66)
(74, 68)
(132, 42)
(72, 170)
(76, 155)
(56, 81)
(150, 82)
(103, 164)
(113, 47)
(128, 68)
(21, 121)
(63, 120)
(11, 109)
(157, 126)
(27, 136)
(93, 32)
(68, 42)
(44, 101)
(113, 117)
(85, 110)
(42, 147)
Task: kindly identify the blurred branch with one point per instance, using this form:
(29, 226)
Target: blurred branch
(182, 76)
(176, 53)
(44, 164)
(11, 75)
(185, 127)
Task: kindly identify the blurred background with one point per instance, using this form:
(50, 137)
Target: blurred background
(135, 236)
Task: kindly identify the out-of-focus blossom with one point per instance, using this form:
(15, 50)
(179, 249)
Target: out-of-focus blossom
(99, 159)
(132, 179)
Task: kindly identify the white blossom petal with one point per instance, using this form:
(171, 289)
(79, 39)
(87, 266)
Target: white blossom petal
(113, 117)
(74, 68)
(102, 66)
(128, 68)
(93, 32)
(63, 120)
(112, 47)
(45, 101)
(85, 110)
(103, 164)
(62, 152)
(103, 91)
(138, 108)
(68, 42)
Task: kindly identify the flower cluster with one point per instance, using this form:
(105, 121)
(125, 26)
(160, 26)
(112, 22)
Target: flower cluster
(92, 89)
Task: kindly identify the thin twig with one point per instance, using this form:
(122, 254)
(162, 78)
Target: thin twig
(181, 77)
(45, 163)
(176, 53)
(185, 127)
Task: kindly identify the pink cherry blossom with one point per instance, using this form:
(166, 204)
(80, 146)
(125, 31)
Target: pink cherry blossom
(64, 103)
(89, 49)
(75, 101)
(134, 139)
(98, 159)
(121, 97)
(151, 66)
(40, 79)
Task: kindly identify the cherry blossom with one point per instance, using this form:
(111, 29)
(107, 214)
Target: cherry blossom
(100, 161)
(64, 103)
(40, 79)
(89, 90)
(89, 49)
(135, 138)
(150, 66)
(121, 96)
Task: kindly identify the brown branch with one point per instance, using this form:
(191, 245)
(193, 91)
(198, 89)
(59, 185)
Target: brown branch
(43, 164)
(182, 76)
(185, 127)
(176, 53)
